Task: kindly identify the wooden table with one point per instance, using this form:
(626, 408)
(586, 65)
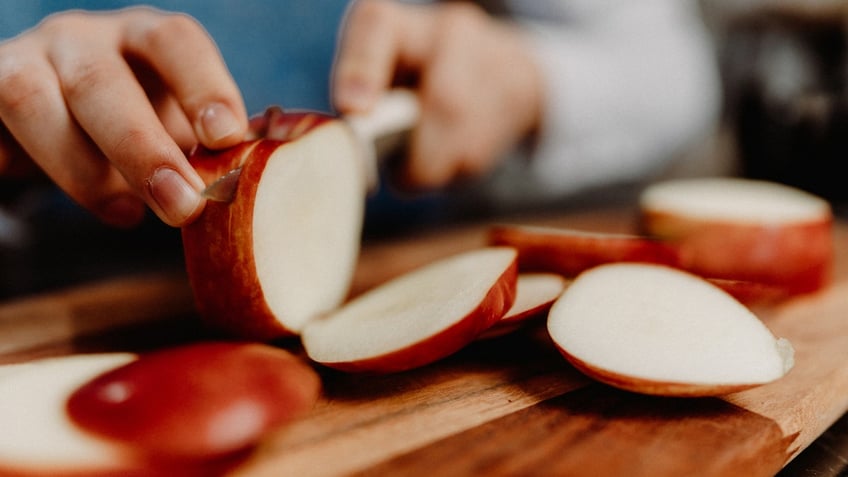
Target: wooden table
(505, 406)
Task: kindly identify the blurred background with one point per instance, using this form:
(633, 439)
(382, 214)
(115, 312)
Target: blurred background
(785, 118)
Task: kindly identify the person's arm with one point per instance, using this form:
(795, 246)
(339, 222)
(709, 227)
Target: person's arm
(107, 103)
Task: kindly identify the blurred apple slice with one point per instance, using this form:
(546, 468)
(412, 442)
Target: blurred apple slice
(419, 317)
(657, 330)
(534, 295)
(284, 249)
(197, 402)
(39, 438)
(568, 251)
(741, 229)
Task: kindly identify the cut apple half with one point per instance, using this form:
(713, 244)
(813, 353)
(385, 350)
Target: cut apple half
(569, 252)
(657, 330)
(742, 229)
(38, 436)
(419, 317)
(196, 402)
(284, 249)
(534, 295)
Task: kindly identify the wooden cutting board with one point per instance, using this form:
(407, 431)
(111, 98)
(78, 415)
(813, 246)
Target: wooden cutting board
(510, 405)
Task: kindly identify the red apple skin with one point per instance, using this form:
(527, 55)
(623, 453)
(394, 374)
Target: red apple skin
(569, 253)
(218, 247)
(220, 264)
(798, 257)
(485, 315)
(211, 165)
(187, 403)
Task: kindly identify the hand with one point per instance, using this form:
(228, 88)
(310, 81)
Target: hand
(106, 104)
(479, 87)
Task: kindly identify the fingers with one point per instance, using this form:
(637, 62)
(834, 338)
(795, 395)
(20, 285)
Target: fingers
(120, 96)
(478, 86)
(34, 111)
(178, 48)
(380, 38)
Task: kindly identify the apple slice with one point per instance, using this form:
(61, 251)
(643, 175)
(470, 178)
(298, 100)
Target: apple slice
(38, 438)
(199, 401)
(658, 330)
(534, 295)
(284, 249)
(568, 252)
(419, 317)
(740, 229)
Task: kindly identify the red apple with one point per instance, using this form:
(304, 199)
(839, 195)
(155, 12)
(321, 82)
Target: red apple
(419, 317)
(568, 252)
(38, 437)
(740, 229)
(198, 401)
(658, 330)
(534, 295)
(284, 249)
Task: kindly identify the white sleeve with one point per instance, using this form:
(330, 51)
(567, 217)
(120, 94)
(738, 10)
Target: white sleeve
(628, 85)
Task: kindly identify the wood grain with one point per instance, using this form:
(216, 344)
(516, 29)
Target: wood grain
(505, 406)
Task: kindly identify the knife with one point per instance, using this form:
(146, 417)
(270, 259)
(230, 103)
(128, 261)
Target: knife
(380, 132)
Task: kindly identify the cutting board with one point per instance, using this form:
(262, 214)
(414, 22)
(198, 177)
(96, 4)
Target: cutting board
(511, 405)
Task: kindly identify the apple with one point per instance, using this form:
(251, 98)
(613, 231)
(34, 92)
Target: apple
(569, 252)
(190, 410)
(283, 250)
(743, 229)
(534, 295)
(419, 317)
(199, 401)
(659, 330)
(38, 437)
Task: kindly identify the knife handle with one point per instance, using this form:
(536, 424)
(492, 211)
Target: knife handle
(385, 129)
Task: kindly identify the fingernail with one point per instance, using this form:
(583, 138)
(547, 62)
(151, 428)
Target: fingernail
(174, 196)
(217, 122)
(122, 210)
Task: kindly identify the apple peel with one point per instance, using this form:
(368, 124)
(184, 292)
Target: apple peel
(236, 394)
(419, 317)
(657, 330)
(535, 293)
(569, 252)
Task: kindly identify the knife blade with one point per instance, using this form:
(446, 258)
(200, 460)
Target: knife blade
(380, 132)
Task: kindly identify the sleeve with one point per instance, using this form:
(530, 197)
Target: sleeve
(628, 85)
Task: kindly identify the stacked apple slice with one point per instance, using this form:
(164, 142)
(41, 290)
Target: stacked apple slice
(741, 229)
(189, 410)
(762, 242)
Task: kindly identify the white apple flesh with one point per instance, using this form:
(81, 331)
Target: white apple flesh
(740, 229)
(284, 249)
(658, 330)
(419, 317)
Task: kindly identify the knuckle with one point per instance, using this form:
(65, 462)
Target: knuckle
(159, 34)
(86, 75)
(20, 88)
